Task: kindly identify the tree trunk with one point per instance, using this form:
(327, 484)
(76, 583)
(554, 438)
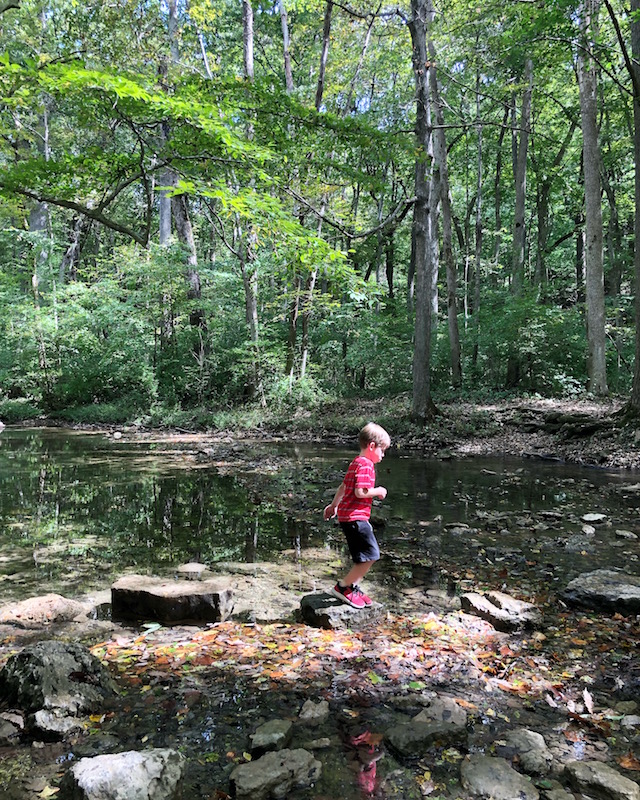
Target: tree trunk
(634, 401)
(441, 164)
(520, 177)
(497, 191)
(284, 23)
(423, 230)
(68, 265)
(594, 278)
(326, 36)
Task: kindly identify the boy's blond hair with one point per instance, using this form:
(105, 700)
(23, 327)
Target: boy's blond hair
(374, 433)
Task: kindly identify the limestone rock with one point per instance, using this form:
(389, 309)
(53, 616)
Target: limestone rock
(604, 589)
(148, 775)
(314, 713)
(191, 571)
(534, 757)
(412, 739)
(505, 613)
(321, 610)
(142, 597)
(275, 774)
(273, 735)
(62, 679)
(443, 709)
(494, 779)
(600, 781)
(38, 611)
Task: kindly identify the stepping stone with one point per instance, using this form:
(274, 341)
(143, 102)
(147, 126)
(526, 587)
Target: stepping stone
(605, 589)
(142, 597)
(322, 610)
(505, 613)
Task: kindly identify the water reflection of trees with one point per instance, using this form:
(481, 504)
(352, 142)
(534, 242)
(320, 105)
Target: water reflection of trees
(84, 514)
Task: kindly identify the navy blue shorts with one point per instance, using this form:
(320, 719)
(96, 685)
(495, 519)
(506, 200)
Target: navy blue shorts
(362, 542)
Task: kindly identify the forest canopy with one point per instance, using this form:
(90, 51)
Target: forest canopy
(206, 204)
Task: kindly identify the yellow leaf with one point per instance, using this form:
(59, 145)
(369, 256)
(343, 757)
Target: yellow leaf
(246, 756)
(48, 791)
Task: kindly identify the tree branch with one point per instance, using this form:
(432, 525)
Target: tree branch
(93, 213)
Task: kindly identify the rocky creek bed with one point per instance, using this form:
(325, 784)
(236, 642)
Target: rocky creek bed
(442, 690)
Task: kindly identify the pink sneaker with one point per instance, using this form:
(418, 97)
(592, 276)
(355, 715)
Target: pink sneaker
(367, 600)
(349, 594)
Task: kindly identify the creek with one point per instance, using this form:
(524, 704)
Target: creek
(79, 509)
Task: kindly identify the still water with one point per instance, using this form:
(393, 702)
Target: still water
(78, 509)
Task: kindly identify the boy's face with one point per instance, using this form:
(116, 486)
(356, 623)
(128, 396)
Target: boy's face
(375, 452)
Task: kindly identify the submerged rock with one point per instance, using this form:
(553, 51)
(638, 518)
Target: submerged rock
(504, 612)
(412, 739)
(141, 597)
(604, 589)
(149, 775)
(494, 779)
(273, 735)
(601, 781)
(534, 757)
(275, 774)
(314, 713)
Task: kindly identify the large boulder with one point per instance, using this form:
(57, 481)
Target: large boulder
(275, 775)
(142, 597)
(605, 589)
(148, 775)
(55, 682)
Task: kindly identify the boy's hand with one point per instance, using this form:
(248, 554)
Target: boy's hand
(330, 512)
(382, 492)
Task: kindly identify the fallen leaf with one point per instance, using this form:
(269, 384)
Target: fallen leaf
(588, 700)
(48, 791)
(629, 762)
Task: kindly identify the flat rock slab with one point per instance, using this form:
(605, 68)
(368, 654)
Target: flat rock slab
(504, 612)
(142, 597)
(605, 589)
(322, 610)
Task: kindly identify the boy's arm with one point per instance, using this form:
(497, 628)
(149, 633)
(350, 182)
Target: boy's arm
(332, 509)
(377, 491)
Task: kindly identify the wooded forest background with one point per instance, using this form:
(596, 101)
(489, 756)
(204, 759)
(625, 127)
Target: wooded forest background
(210, 203)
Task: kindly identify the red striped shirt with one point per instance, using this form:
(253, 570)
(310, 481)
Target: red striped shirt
(360, 475)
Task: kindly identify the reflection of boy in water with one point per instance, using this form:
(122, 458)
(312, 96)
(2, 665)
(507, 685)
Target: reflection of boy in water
(352, 505)
(366, 745)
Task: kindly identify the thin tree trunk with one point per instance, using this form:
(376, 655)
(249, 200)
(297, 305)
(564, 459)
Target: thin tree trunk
(520, 177)
(477, 261)
(634, 401)
(497, 190)
(441, 164)
(326, 36)
(594, 278)
(288, 74)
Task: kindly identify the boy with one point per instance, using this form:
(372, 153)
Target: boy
(352, 504)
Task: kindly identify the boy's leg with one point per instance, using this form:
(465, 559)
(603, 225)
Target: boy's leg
(356, 573)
